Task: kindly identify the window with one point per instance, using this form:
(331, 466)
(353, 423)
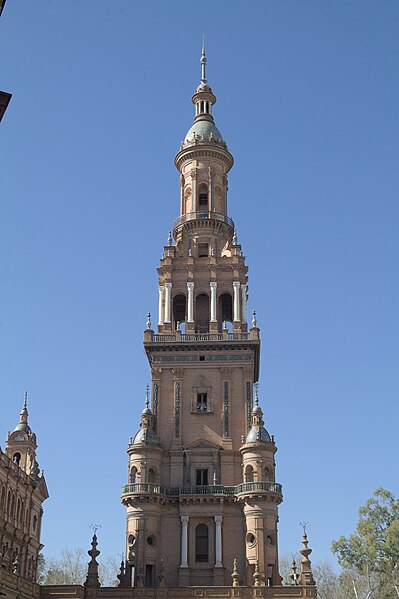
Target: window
(202, 250)
(249, 474)
(203, 196)
(202, 402)
(17, 458)
(201, 543)
(151, 476)
(202, 477)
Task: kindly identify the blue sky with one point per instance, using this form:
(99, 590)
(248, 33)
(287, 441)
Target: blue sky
(308, 96)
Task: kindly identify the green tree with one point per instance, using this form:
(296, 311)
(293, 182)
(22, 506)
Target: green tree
(373, 550)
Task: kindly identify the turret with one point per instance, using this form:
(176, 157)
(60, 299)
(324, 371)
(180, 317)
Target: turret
(21, 444)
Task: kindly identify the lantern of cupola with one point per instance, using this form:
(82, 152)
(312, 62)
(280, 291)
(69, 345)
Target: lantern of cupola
(21, 444)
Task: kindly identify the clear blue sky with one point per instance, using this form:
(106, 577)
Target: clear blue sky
(308, 97)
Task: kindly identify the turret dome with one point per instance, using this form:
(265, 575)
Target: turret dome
(204, 132)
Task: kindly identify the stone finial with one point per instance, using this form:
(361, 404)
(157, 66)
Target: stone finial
(92, 580)
(122, 575)
(235, 577)
(306, 565)
(170, 238)
(257, 576)
(294, 574)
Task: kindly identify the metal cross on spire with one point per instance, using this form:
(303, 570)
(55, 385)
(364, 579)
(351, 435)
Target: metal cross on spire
(95, 528)
(147, 396)
(25, 401)
(304, 526)
(203, 61)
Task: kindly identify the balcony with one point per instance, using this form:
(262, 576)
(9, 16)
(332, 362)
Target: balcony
(254, 488)
(189, 337)
(203, 216)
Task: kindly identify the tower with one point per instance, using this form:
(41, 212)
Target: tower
(23, 490)
(201, 492)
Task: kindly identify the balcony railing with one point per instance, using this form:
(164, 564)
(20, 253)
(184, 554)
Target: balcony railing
(171, 337)
(153, 489)
(203, 216)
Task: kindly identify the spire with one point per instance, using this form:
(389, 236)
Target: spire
(92, 580)
(147, 400)
(306, 574)
(203, 61)
(23, 417)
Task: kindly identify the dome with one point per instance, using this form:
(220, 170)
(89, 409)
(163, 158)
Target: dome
(258, 433)
(145, 436)
(204, 132)
(22, 426)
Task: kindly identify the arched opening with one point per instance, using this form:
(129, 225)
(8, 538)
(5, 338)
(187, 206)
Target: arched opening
(179, 309)
(133, 476)
(201, 543)
(202, 313)
(34, 523)
(3, 498)
(16, 458)
(249, 474)
(203, 197)
(267, 475)
(151, 475)
(225, 309)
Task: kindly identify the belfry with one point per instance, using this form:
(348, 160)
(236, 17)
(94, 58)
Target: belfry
(202, 499)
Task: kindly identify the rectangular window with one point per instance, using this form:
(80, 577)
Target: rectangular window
(202, 477)
(202, 250)
(202, 402)
(270, 575)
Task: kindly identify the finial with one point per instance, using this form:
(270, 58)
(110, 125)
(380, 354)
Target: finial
(235, 575)
(304, 526)
(234, 240)
(95, 528)
(254, 322)
(26, 402)
(92, 570)
(149, 324)
(294, 575)
(170, 238)
(203, 61)
(256, 386)
(305, 551)
(147, 396)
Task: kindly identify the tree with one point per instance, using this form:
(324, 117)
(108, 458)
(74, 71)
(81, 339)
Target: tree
(373, 550)
(71, 568)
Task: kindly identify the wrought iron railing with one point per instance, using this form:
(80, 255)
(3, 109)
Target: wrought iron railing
(203, 216)
(154, 489)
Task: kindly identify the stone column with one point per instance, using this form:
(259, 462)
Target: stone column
(236, 301)
(213, 285)
(190, 302)
(243, 303)
(218, 537)
(184, 541)
(168, 295)
(160, 315)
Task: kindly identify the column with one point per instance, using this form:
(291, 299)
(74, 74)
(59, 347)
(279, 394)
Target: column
(213, 285)
(160, 291)
(168, 294)
(190, 302)
(184, 541)
(243, 303)
(218, 537)
(236, 301)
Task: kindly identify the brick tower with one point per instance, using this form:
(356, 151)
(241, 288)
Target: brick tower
(202, 501)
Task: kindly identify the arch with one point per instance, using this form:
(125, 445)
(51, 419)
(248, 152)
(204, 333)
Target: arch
(249, 474)
(34, 523)
(202, 313)
(203, 196)
(3, 498)
(225, 308)
(133, 475)
(201, 543)
(9, 503)
(266, 474)
(16, 458)
(179, 308)
(151, 476)
(18, 509)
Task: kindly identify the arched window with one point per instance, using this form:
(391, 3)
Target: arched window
(249, 474)
(151, 476)
(16, 458)
(267, 474)
(202, 313)
(133, 475)
(179, 309)
(203, 196)
(225, 309)
(201, 543)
